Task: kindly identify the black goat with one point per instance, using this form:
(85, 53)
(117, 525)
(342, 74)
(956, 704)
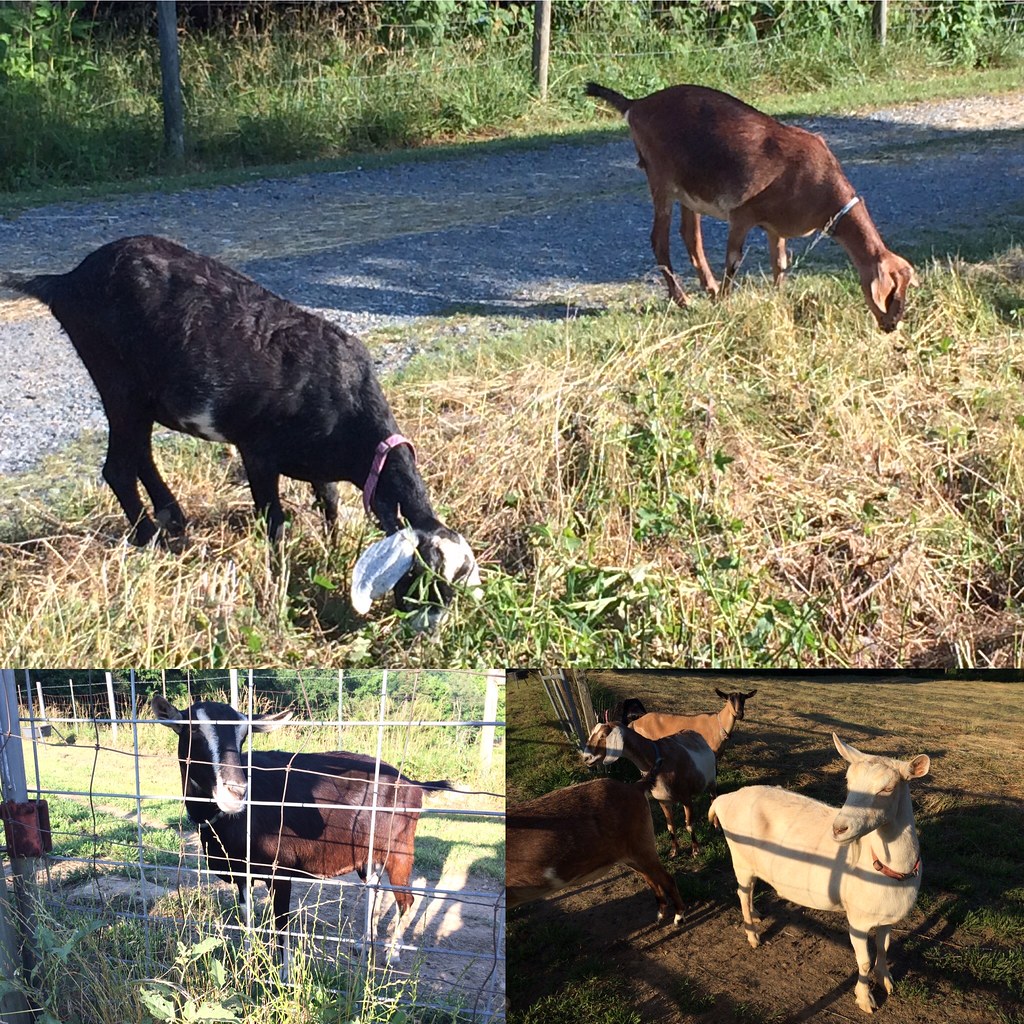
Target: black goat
(169, 336)
(297, 829)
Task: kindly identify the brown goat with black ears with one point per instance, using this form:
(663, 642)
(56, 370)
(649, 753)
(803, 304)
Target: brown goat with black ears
(715, 155)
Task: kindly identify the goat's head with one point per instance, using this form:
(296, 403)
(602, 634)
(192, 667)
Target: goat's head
(402, 559)
(875, 787)
(736, 701)
(604, 744)
(885, 285)
(210, 737)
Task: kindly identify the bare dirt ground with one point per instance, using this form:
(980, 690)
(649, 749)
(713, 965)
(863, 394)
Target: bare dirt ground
(804, 971)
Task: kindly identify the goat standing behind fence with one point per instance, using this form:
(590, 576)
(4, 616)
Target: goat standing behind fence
(314, 840)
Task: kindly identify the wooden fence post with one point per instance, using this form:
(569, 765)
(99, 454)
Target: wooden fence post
(880, 21)
(541, 45)
(170, 78)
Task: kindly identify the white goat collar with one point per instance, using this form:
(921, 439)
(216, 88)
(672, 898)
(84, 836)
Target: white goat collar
(830, 227)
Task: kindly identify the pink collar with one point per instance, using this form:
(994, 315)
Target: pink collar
(380, 456)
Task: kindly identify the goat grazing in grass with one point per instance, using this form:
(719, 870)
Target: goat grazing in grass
(715, 155)
(578, 833)
(678, 767)
(863, 859)
(172, 337)
(715, 727)
(309, 815)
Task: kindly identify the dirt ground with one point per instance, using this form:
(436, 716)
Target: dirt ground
(804, 970)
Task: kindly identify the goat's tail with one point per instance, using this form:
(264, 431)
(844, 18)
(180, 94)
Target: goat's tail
(713, 814)
(41, 287)
(437, 784)
(616, 99)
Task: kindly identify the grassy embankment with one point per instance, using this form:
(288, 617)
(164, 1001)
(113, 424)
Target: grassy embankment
(959, 951)
(765, 482)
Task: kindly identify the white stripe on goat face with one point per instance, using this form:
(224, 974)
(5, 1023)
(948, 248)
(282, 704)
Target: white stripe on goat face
(604, 744)
(227, 799)
(874, 793)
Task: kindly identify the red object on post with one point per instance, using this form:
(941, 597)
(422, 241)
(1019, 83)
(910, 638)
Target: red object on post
(27, 828)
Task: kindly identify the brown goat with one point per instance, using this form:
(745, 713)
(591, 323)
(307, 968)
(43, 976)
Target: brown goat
(715, 728)
(578, 833)
(677, 768)
(715, 155)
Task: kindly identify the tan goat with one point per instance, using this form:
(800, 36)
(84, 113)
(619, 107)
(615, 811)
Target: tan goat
(715, 155)
(678, 768)
(716, 728)
(579, 833)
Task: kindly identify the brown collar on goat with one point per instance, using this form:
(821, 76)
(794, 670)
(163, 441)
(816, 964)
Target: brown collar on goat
(888, 871)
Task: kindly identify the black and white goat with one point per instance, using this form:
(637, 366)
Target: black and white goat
(309, 815)
(172, 337)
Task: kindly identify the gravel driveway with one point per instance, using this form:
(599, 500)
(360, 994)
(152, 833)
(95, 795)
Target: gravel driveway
(522, 232)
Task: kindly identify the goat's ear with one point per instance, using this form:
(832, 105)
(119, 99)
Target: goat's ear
(846, 752)
(724, 696)
(268, 723)
(381, 566)
(918, 767)
(747, 696)
(166, 713)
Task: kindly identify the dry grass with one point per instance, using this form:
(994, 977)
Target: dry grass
(767, 482)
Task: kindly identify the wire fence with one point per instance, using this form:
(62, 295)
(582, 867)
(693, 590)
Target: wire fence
(126, 850)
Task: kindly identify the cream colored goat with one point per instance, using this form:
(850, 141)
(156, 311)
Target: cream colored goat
(863, 859)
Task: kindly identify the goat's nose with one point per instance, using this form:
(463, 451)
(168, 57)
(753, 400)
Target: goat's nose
(838, 830)
(237, 788)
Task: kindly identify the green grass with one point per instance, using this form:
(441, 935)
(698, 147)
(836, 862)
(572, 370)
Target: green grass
(307, 91)
(764, 482)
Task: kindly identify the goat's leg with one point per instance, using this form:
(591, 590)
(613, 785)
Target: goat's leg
(751, 920)
(169, 515)
(859, 941)
(780, 260)
(326, 493)
(263, 484)
(738, 231)
(689, 228)
(399, 869)
(688, 811)
(882, 975)
(126, 451)
(281, 895)
(666, 806)
(661, 884)
(660, 245)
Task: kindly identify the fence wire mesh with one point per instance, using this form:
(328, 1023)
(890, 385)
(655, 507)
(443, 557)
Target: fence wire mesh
(127, 855)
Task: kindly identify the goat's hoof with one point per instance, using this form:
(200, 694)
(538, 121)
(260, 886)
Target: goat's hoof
(752, 936)
(678, 919)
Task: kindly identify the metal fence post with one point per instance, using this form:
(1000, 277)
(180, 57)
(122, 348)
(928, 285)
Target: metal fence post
(16, 954)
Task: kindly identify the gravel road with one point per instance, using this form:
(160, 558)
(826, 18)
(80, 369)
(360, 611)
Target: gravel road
(524, 232)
